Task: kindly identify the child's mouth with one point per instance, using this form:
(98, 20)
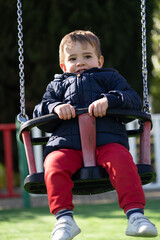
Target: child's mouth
(81, 71)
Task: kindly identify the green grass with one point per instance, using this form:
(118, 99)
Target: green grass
(97, 222)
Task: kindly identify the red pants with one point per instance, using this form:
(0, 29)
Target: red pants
(116, 159)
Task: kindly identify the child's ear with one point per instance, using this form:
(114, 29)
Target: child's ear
(101, 61)
(63, 67)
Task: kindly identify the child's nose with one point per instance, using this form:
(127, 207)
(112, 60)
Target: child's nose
(80, 63)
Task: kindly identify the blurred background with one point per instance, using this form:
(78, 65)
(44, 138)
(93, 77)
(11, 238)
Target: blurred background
(118, 25)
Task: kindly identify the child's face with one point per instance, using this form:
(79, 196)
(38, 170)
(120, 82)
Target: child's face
(80, 57)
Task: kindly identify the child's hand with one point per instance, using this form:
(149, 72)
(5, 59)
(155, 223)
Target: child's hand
(65, 111)
(98, 108)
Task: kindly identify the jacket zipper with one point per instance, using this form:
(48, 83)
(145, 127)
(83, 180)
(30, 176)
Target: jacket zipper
(80, 92)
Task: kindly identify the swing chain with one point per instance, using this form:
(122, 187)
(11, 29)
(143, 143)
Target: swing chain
(146, 106)
(22, 117)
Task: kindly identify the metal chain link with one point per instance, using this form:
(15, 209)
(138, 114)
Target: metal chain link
(144, 58)
(22, 117)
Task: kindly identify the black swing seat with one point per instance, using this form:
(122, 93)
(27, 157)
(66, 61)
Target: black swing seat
(87, 180)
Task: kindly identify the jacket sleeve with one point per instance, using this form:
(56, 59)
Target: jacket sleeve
(51, 98)
(121, 95)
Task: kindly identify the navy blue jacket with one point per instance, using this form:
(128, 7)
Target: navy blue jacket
(80, 91)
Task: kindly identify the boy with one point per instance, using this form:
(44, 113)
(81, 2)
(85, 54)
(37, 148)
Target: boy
(85, 83)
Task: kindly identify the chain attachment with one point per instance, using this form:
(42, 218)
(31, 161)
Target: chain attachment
(22, 117)
(146, 106)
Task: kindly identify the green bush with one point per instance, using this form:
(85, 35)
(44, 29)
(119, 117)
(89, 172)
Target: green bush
(3, 179)
(2, 176)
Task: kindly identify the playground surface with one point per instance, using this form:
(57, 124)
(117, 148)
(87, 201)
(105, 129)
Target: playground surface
(97, 221)
(41, 200)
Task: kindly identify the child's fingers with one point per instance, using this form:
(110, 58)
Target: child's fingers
(98, 108)
(65, 111)
(68, 112)
(90, 109)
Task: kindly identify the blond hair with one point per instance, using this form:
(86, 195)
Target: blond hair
(81, 36)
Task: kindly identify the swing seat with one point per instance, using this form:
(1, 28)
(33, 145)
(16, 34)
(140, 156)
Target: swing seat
(91, 179)
(87, 180)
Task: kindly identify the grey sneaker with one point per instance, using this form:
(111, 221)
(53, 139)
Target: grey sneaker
(140, 226)
(65, 229)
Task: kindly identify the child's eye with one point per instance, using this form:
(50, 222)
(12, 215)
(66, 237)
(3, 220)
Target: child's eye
(72, 59)
(88, 56)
